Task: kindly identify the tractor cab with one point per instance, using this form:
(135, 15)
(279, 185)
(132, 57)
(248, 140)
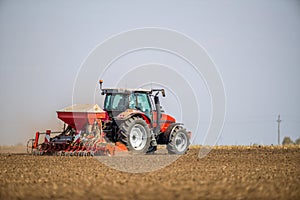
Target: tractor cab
(119, 100)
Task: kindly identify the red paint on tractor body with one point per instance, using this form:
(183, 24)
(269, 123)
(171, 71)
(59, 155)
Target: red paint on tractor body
(165, 121)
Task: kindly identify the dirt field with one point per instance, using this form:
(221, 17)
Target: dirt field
(237, 173)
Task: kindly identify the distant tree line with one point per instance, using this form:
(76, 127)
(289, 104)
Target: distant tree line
(289, 141)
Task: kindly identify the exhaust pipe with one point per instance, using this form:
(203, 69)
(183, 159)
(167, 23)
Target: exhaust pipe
(158, 114)
(158, 108)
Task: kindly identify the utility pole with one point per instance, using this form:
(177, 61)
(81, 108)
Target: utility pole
(278, 121)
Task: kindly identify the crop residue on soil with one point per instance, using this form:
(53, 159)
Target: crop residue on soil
(236, 173)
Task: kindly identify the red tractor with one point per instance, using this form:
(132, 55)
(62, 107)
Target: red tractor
(136, 120)
(131, 120)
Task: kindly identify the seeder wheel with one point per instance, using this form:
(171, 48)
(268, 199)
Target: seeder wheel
(30, 146)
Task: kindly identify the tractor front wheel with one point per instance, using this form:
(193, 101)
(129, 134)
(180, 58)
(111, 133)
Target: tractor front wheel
(179, 141)
(135, 134)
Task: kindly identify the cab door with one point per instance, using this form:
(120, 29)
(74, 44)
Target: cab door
(143, 104)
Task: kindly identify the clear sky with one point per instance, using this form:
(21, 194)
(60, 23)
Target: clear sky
(255, 45)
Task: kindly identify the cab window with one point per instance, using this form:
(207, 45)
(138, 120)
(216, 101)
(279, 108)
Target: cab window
(132, 101)
(116, 102)
(143, 103)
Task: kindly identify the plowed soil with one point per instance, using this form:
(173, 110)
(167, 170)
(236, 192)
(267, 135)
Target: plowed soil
(234, 173)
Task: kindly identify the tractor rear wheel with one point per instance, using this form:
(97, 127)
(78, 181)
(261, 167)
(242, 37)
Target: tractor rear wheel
(179, 141)
(135, 134)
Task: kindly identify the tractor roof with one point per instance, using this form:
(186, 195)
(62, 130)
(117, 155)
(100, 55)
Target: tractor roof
(125, 91)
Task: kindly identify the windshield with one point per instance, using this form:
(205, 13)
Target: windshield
(116, 102)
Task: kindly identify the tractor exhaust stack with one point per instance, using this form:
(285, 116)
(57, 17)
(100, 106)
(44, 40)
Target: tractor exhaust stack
(158, 113)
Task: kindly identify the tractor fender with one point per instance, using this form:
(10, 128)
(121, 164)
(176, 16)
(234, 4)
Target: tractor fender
(132, 113)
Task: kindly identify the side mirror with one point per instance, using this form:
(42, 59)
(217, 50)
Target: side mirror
(163, 92)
